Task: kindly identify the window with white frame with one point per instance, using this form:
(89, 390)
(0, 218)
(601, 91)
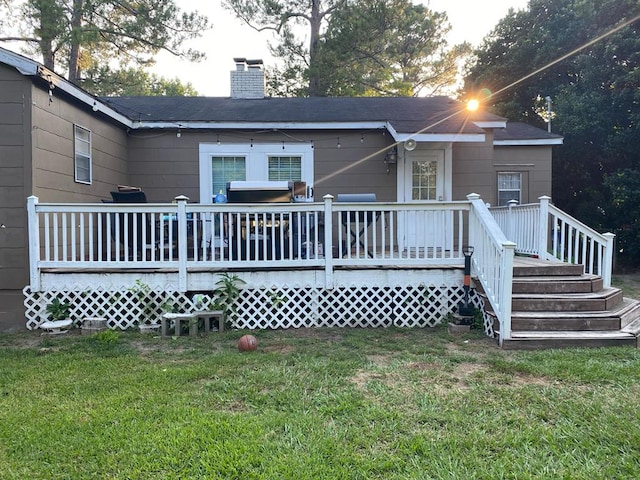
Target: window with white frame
(509, 187)
(226, 169)
(82, 154)
(222, 163)
(285, 168)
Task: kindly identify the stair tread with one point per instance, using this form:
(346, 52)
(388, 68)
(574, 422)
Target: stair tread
(554, 279)
(588, 334)
(627, 305)
(605, 292)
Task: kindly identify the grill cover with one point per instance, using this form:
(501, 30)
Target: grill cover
(259, 192)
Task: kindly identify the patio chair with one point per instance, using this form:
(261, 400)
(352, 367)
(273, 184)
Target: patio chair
(136, 226)
(352, 219)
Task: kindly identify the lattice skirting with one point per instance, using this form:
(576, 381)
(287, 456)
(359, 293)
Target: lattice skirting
(262, 307)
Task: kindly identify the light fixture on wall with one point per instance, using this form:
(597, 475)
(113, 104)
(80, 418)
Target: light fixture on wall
(391, 157)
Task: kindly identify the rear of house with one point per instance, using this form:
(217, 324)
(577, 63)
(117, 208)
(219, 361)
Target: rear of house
(63, 145)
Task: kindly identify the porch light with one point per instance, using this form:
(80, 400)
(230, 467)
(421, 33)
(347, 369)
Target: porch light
(464, 309)
(391, 157)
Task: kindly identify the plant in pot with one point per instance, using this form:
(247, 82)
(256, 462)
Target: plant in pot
(58, 320)
(226, 293)
(149, 320)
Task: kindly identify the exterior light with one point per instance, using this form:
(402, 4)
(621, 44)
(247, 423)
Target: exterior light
(391, 157)
(464, 309)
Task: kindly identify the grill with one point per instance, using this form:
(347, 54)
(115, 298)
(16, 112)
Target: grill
(259, 192)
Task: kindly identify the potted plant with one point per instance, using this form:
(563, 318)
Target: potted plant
(149, 320)
(58, 320)
(58, 310)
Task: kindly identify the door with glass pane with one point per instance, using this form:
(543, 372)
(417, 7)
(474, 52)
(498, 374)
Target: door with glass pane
(424, 182)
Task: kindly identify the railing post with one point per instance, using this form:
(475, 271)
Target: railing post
(607, 259)
(182, 242)
(543, 232)
(510, 226)
(506, 289)
(328, 241)
(34, 243)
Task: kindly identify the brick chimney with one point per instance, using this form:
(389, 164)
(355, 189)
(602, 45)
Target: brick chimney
(247, 80)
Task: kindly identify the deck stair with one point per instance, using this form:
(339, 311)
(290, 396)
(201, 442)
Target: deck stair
(555, 305)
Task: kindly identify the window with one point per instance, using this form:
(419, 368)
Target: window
(226, 169)
(285, 168)
(82, 154)
(423, 179)
(223, 162)
(509, 188)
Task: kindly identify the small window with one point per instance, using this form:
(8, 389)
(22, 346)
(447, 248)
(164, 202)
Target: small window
(82, 154)
(509, 188)
(285, 168)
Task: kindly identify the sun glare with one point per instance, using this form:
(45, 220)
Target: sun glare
(473, 105)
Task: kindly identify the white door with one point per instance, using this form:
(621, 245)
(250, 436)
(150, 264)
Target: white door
(424, 180)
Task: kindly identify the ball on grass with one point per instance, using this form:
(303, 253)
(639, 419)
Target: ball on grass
(247, 343)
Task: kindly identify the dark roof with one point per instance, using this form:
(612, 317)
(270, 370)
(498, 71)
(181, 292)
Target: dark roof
(405, 114)
(523, 131)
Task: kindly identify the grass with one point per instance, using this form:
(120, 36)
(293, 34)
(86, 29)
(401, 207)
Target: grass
(314, 404)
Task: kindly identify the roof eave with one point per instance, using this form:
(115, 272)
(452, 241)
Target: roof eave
(529, 142)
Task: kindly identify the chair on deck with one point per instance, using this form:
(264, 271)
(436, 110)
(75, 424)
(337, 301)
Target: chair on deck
(136, 226)
(351, 219)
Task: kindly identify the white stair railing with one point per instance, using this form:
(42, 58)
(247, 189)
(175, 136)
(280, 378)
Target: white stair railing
(492, 262)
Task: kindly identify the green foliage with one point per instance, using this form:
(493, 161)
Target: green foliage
(107, 336)
(58, 310)
(358, 48)
(103, 81)
(621, 212)
(94, 33)
(594, 90)
(226, 292)
(151, 303)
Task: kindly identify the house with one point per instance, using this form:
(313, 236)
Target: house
(63, 145)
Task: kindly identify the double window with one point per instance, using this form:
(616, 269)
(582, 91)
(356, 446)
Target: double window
(82, 154)
(220, 164)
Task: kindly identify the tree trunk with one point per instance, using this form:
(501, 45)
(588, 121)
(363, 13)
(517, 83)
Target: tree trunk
(316, 19)
(76, 33)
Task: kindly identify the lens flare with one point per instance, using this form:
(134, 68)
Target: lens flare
(473, 105)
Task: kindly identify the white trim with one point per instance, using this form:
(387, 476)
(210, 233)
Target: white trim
(256, 161)
(262, 125)
(89, 156)
(24, 65)
(491, 123)
(538, 141)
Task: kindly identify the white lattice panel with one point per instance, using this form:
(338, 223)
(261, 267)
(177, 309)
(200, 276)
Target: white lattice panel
(270, 307)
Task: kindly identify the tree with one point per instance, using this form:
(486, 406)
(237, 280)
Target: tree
(386, 47)
(103, 81)
(585, 55)
(357, 47)
(81, 35)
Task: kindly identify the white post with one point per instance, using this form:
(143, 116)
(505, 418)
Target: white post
(506, 290)
(328, 241)
(510, 226)
(543, 233)
(182, 242)
(34, 243)
(607, 259)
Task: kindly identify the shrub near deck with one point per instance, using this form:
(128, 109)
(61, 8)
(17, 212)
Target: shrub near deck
(314, 404)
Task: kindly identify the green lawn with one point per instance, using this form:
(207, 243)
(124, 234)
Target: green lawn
(314, 404)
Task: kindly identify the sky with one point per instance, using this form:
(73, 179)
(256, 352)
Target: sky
(229, 38)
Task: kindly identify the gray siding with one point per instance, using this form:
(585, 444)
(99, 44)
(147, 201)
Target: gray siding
(53, 151)
(166, 166)
(15, 182)
(534, 162)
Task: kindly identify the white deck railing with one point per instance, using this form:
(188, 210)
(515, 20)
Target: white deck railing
(185, 237)
(492, 262)
(545, 231)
